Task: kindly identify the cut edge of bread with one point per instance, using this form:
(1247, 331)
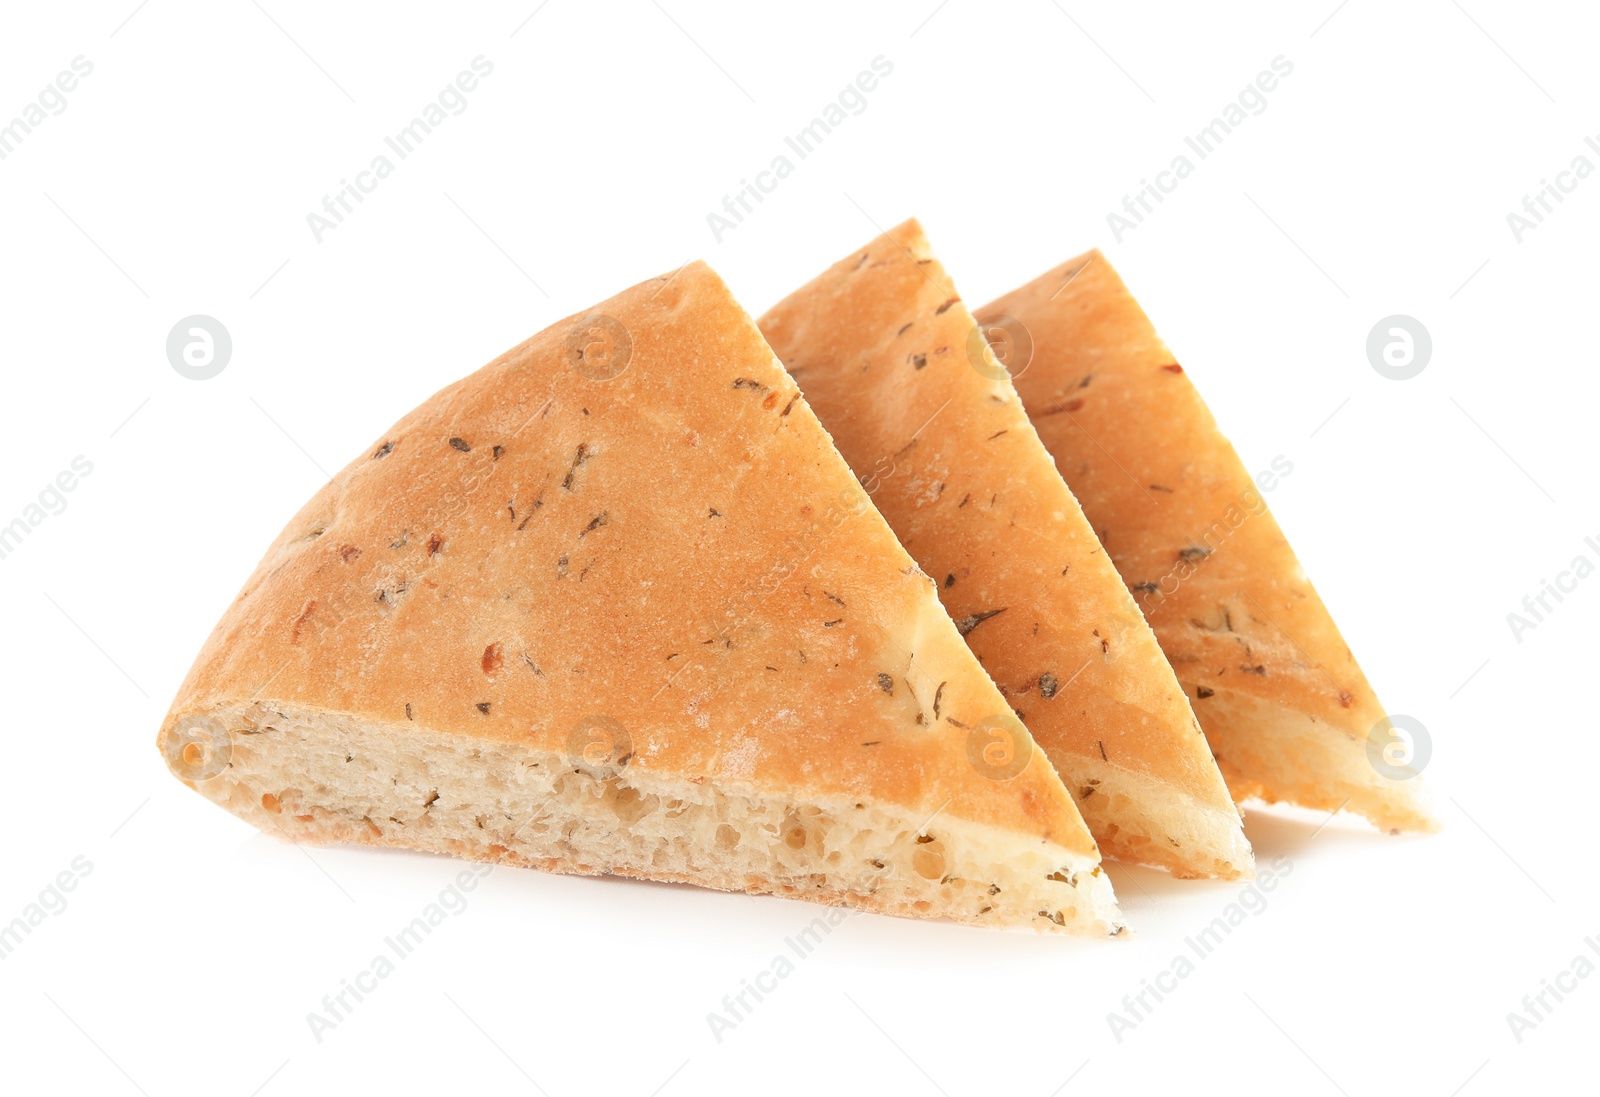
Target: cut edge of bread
(321, 777)
(1142, 820)
(1269, 752)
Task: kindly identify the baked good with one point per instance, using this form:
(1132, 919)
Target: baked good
(614, 604)
(901, 377)
(1288, 711)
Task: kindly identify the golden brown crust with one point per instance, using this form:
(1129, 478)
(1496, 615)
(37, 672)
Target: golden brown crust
(1188, 529)
(900, 375)
(677, 548)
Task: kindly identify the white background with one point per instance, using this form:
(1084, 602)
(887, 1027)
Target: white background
(1377, 181)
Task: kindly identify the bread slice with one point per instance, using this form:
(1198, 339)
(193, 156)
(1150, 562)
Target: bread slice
(614, 604)
(902, 378)
(1286, 707)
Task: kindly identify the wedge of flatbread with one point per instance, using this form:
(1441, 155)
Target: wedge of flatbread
(1289, 714)
(901, 377)
(614, 604)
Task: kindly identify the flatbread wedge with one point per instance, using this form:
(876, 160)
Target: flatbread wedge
(614, 604)
(1288, 711)
(903, 380)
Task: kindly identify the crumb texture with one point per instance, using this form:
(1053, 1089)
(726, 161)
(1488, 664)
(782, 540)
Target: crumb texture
(321, 777)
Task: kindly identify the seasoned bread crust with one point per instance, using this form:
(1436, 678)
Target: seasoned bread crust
(1283, 701)
(900, 375)
(675, 548)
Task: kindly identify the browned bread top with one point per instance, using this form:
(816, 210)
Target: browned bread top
(900, 375)
(634, 517)
(1189, 530)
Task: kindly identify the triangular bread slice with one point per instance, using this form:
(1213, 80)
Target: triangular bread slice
(901, 377)
(614, 604)
(1289, 714)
